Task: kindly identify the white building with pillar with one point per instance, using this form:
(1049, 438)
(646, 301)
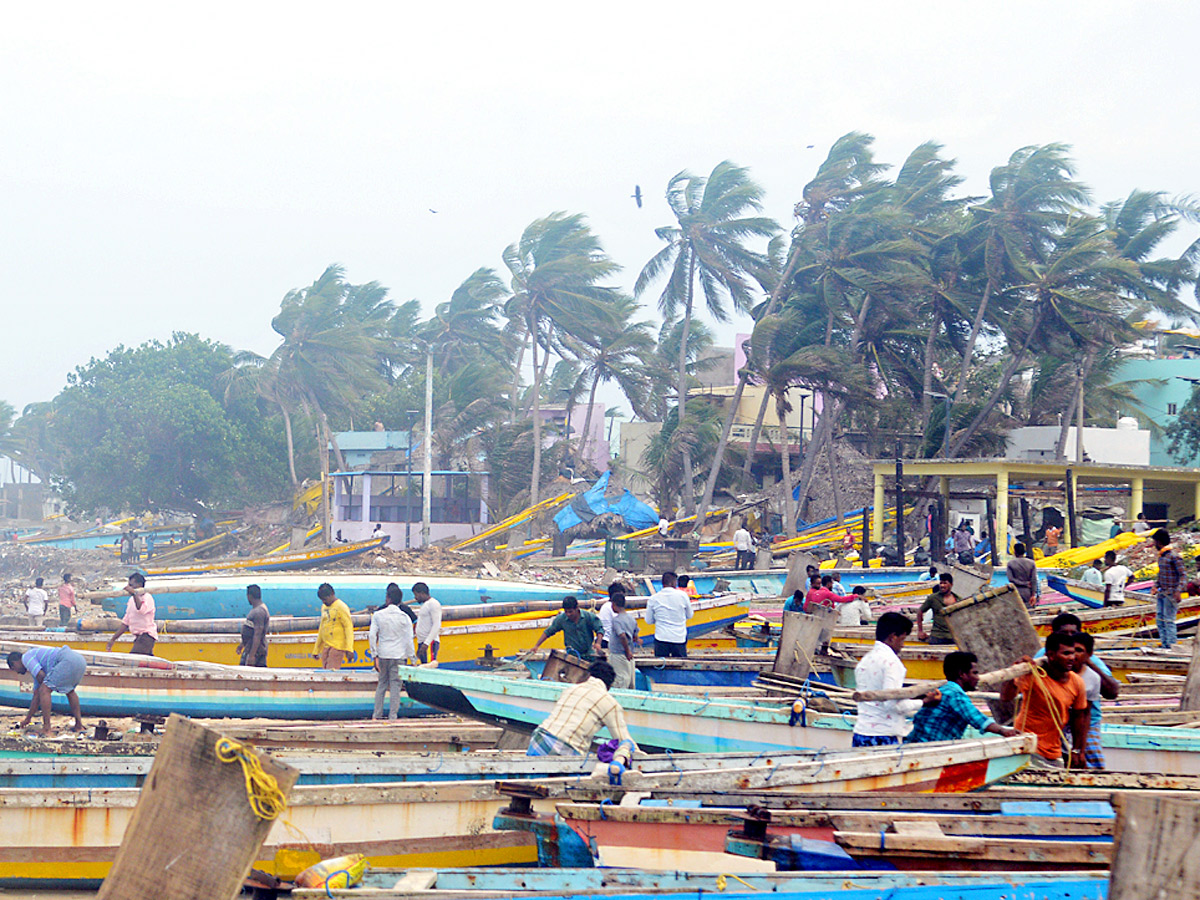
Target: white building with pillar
(1163, 492)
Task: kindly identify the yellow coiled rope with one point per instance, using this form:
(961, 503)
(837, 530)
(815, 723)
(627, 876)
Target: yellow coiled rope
(262, 790)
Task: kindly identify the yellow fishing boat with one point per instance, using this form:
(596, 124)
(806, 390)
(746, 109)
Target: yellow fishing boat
(462, 641)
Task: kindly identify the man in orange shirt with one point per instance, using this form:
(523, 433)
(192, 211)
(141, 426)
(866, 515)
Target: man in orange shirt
(1053, 700)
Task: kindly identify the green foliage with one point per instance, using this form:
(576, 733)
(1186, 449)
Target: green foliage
(145, 428)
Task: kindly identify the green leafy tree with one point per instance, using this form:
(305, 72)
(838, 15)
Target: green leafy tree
(145, 428)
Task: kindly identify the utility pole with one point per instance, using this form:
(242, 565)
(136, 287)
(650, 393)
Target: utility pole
(427, 474)
(412, 420)
(1079, 421)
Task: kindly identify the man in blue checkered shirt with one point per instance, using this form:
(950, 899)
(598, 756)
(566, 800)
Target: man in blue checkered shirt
(947, 712)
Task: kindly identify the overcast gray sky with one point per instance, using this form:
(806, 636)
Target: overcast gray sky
(180, 167)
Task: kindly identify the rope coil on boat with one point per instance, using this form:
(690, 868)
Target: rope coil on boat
(262, 790)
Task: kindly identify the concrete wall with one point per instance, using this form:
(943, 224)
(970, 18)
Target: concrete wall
(597, 452)
(1118, 446)
(1161, 390)
(635, 439)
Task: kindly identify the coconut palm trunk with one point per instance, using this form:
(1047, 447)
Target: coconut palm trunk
(714, 470)
(785, 461)
(585, 438)
(755, 434)
(291, 445)
(689, 498)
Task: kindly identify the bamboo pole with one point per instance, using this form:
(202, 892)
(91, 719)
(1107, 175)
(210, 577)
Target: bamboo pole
(913, 691)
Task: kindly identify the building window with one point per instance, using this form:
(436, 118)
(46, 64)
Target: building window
(1172, 409)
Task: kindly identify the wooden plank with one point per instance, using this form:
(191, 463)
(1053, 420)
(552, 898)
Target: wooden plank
(1155, 850)
(193, 833)
(801, 636)
(1191, 687)
(995, 626)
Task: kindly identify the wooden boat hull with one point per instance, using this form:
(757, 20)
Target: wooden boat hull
(668, 722)
(462, 642)
(962, 842)
(302, 559)
(234, 694)
(295, 594)
(70, 837)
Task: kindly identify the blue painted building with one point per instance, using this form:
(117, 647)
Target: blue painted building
(1162, 386)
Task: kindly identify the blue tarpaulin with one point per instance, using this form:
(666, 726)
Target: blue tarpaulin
(592, 502)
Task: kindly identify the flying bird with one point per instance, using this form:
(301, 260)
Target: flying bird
(434, 211)
(637, 195)
(810, 146)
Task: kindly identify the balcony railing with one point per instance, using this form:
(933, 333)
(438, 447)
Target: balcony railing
(770, 434)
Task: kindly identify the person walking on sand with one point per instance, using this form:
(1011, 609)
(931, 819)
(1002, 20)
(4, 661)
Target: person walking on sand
(1168, 588)
(139, 618)
(391, 645)
(66, 599)
(52, 669)
(335, 639)
(253, 647)
(35, 602)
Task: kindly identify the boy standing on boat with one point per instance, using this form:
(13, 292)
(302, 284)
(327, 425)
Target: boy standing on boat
(391, 643)
(883, 722)
(429, 623)
(138, 619)
(668, 611)
(253, 647)
(1168, 587)
(579, 714)
(1053, 703)
(936, 603)
(335, 639)
(624, 632)
(948, 711)
(52, 669)
(581, 629)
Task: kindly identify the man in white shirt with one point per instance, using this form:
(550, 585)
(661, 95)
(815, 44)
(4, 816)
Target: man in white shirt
(606, 616)
(884, 722)
(1115, 579)
(391, 643)
(664, 528)
(668, 611)
(743, 543)
(429, 623)
(1093, 574)
(35, 602)
(856, 611)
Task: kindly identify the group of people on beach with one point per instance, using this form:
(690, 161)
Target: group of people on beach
(1058, 696)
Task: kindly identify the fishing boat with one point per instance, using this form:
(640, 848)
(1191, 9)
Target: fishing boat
(295, 594)
(656, 721)
(468, 633)
(350, 766)
(72, 834)
(301, 559)
(719, 878)
(1019, 835)
(213, 692)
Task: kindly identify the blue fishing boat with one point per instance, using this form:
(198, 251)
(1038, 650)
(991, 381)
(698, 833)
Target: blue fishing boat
(295, 594)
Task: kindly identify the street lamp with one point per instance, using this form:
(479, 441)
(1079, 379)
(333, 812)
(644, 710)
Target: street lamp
(945, 423)
(412, 420)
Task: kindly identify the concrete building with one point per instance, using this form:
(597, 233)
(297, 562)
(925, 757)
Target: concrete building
(1161, 492)
(1125, 445)
(595, 449)
(375, 449)
(364, 499)
(1162, 387)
